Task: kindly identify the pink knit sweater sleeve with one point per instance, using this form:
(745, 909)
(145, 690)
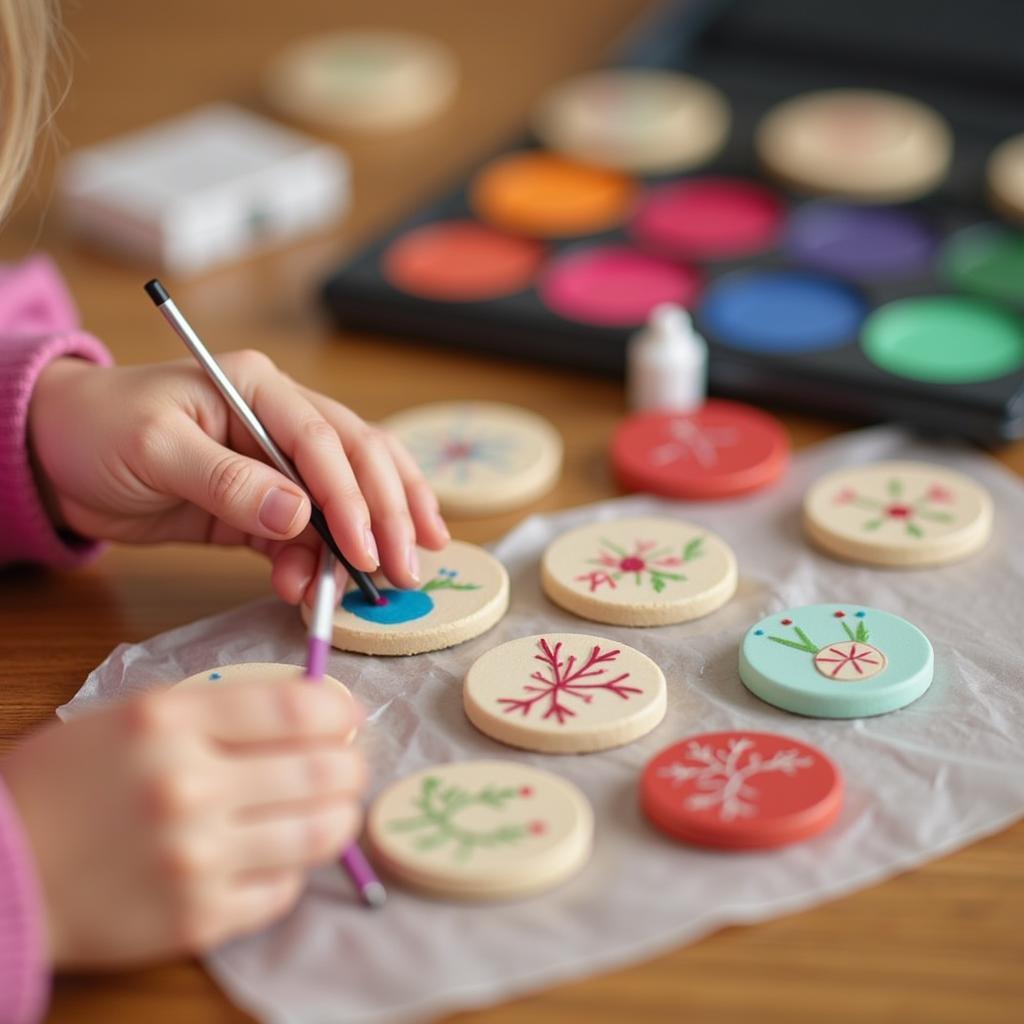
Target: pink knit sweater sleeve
(38, 323)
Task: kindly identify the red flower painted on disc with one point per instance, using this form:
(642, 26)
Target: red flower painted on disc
(648, 563)
(915, 516)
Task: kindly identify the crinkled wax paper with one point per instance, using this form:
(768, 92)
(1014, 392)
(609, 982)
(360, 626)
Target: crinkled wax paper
(920, 782)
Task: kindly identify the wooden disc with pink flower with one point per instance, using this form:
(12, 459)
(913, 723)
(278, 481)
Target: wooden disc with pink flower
(898, 514)
(639, 572)
(481, 830)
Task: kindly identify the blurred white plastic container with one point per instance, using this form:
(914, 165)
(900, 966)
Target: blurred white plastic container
(201, 189)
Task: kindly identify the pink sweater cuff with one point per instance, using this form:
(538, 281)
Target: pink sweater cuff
(37, 325)
(24, 976)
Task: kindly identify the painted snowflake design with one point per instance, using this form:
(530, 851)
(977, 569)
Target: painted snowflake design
(562, 678)
(440, 806)
(648, 563)
(462, 449)
(847, 660)
(722, 775)
(690, 442)
(898, 510)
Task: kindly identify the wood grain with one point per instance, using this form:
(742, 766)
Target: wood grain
(941, 945)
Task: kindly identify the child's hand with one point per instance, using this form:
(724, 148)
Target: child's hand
(179, 819)
(144, 454)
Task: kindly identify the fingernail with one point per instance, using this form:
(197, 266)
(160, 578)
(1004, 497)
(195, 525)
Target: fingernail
(370, 546)
(279, 509)
(414, 563)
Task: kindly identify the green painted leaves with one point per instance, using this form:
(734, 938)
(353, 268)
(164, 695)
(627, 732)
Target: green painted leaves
(439, 806)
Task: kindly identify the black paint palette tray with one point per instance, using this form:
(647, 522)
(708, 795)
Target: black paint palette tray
(879, 310)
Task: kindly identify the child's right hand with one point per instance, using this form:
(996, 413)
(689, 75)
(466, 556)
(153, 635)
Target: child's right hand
(179, 819)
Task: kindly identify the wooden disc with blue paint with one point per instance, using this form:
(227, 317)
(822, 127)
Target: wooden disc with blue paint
(464, 593)
(836, 661)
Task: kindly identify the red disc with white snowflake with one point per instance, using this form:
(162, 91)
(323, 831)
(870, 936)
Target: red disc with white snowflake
(741, 790)
(564, 693)
(721, 450)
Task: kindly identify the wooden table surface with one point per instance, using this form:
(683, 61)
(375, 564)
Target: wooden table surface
(941, 944)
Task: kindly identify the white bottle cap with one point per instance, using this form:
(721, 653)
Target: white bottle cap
(667, 362)
(670, 321)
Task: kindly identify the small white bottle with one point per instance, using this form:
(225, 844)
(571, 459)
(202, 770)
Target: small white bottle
(667, 363)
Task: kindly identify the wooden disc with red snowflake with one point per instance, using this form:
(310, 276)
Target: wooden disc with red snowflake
(564, 693)
(741, 790)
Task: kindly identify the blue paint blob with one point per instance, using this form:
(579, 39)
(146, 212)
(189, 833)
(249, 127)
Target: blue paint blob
(860, 615)
(402, 606)
(215, 675)
(782, 311)
(758, 632)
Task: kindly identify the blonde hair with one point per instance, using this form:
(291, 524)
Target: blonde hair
(27, 30)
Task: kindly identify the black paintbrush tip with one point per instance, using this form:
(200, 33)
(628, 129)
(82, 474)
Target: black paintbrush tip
(157, 292)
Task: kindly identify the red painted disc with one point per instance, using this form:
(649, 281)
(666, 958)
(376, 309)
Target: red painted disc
(721, 450)
(741, 790)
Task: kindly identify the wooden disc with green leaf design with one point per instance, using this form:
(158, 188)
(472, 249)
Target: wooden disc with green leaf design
(480, 830)
(898, 513)
(639, 572)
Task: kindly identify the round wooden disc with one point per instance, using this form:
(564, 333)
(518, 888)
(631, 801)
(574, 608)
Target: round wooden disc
(862, 143)
(1006, 177)
(639, 572)
(564, 693)
(481, 830)
(368, 80)
(898, 513)
(465, 592)
(481, 458)
(635, 120)
(741, 790)
(261, 671)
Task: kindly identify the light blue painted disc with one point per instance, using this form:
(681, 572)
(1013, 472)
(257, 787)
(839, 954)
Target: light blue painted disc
(836, 661)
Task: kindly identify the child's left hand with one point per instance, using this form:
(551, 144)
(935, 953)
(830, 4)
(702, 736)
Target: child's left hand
(144, 454)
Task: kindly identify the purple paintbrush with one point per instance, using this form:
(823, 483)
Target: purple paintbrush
(321, 622)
